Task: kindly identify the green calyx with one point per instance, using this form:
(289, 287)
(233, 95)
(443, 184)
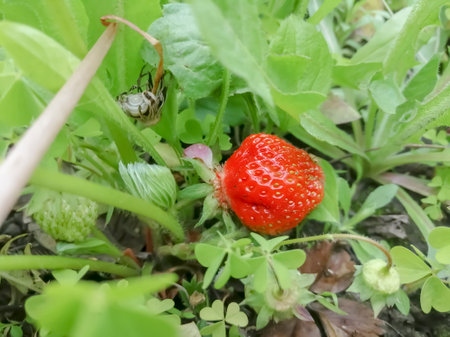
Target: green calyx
(378, 276)
(67, 217)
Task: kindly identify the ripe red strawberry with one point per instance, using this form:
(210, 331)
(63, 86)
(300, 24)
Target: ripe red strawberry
(270, 184)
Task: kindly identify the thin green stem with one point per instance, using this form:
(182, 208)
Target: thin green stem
(127, 153)
(214, 134)
(341, 236)
(253, 112)
(99, 235)
(99, 155)
(370, 124)
(104, 174)
(408, 158)
(66, 183)
(357, 131)
(27, 262)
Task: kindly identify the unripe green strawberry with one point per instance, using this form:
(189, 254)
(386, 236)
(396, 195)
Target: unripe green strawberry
(378, 277)
(67, 217)
(270, 185)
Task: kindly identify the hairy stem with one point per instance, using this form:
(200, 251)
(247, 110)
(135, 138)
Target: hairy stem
(223, 104)
(27, 262)
(344, 237)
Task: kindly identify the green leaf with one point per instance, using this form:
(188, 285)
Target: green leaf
(68, 276)
(356, 76)
(235, 316)
(325, 9)
(345, 194)
(239, 266)
(434, 295)
(216, 330)
(185, 53)
(328, 209)
(91, 128)
(286, 71)
(213, 313)
(223, 275)
(206, 254)
(16, 331)
(70, 310)
(338, 110)
(409, 265)
(387, 95)
(319, 126)
(196, 191)
(378, 302)
(379, 198)
(296, 37)
(264, 316)
(65, 21)
(439, 237)
(417, 214)
(48, 64)
(282, 274)
(401, 56)
(88, 246)
(291, 259)
(232, 30)
(402, 302)
(268, 245)
(260, 274)
(296, 104)
(423, 81)
(212, 269)
(123, 59)
(18, 104)
(378, 46)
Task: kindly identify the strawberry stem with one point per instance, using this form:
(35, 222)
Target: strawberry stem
(344, 237)
(26, 262)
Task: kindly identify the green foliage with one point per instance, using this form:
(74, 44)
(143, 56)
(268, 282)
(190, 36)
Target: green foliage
(233, 316)
(89, 309)
(185, 54)
(300, 69)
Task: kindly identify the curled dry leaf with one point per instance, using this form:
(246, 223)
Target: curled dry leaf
(359, 321)
(333, 267)
(291, 328)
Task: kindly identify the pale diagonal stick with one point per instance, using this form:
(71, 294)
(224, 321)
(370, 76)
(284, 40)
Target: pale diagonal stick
(154, 42)
(20, 163)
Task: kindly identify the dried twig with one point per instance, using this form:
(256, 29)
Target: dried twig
(20, 163)
(154, 42)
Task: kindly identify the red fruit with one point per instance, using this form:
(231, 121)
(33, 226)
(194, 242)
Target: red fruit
(270, 184)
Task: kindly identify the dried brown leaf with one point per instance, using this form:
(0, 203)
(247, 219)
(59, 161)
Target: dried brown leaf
(333, 266)
(359, 321)
(291, 328)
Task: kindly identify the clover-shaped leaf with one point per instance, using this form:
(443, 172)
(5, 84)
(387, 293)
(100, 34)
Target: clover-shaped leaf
(439, 238)
(409, 266)
(214, 312)
(235, 316)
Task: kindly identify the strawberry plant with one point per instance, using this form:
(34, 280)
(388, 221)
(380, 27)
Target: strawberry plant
(168, 167)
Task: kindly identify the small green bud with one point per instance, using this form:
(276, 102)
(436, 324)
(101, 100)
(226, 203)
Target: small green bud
(377, 276)
(67, 217)
(153, 183)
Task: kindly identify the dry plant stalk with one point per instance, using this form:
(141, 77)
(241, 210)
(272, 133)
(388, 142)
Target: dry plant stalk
(154, 42)
(20, 163)
(25, 156)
